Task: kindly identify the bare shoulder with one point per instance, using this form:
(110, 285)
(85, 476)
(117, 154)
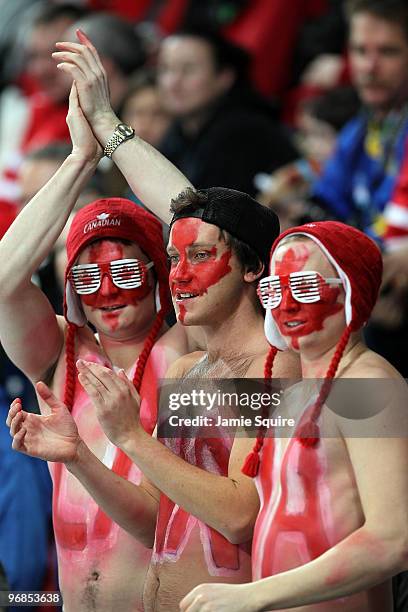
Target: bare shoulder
(286, 365)
(371, 365)
(84, 333)
(372, 408)
(180, 367)
(174, 339)
(180, 340)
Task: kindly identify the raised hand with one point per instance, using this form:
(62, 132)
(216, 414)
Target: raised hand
(116, 401)
(84, 143)
(82, 62)
(53, 437)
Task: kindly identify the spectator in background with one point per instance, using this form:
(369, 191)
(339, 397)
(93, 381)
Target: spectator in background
(43, 108)
(122, 53)
(388, 329)
(318, 123)
(46, 88)
(42, 163)
(222, 134)
(143, 109)
(359, 178)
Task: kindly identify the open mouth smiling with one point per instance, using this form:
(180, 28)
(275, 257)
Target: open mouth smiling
(185, 295)
(293, 324)
(112, 308)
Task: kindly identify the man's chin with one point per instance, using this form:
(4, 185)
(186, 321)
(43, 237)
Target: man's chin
(188, 318)
(377, 101)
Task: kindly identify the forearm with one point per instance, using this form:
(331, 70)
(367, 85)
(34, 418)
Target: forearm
(35, 230)
(152, 177)
(359, 562)
(216, 500)
(131, 506)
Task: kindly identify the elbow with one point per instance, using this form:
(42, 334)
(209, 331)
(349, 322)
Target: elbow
(391, 550)
(10, 291)
(239, 530)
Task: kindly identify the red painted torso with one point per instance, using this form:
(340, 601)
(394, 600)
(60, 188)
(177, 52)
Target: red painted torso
(174, 524)
(309, 503)
(188, 552)
(101, 566)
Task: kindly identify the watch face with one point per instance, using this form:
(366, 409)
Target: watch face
(124, 129)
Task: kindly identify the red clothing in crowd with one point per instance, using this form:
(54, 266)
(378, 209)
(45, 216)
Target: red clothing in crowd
(268, 29)
(396, 211)
(46, 124)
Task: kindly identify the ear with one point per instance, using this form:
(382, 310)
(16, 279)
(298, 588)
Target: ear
(251, 276)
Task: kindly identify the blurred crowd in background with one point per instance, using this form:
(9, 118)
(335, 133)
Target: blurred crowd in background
(301, 103)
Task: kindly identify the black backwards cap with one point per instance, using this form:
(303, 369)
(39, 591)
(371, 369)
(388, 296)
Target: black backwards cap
(238, 214)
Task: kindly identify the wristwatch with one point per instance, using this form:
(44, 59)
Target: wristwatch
(122, 133)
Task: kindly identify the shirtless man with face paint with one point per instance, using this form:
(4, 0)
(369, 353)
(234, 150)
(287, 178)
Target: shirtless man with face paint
(332, 525)
(207, 507)
(112, 285)
(205, 519)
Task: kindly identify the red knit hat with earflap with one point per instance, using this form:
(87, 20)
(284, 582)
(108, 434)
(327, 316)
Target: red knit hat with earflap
(358, 263)
(124, 220)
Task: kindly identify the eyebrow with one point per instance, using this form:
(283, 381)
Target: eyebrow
(203, 244)
(194, 245)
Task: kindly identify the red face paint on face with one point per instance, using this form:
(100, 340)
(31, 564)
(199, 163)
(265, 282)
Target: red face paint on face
(196, 266)
(293, 318)
(109, 298)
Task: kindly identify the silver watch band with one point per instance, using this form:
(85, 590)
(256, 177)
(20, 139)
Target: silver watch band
(113, 143)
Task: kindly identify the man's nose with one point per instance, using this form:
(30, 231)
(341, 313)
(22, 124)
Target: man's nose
(170, 80)
(370, 63)
(182, 271)
(107, 286)
(288, 302)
